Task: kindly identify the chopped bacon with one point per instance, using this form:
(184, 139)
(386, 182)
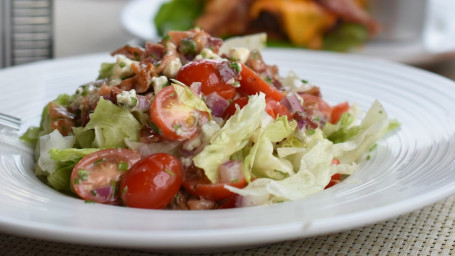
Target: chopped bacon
(200, 37)
(304, 120)
(134, 53)
(58, 111)
(315, 91)
(149, 135)
(256, 63)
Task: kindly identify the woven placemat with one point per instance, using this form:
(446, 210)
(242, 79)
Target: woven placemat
(428, 231)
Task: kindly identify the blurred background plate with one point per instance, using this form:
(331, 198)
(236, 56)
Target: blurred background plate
(434, 45)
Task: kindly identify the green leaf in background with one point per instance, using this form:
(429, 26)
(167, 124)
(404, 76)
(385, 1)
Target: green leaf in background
(345, 37)
(178, 15)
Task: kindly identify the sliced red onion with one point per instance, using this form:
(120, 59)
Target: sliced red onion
(217, 104)
(227, 73)
(294, 103)
(143, 103)
(231, 171)
(196, 88)
(104, 192)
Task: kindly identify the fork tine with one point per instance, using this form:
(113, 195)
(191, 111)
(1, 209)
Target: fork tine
(10, 121)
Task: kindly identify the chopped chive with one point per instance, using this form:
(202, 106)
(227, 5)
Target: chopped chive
(98, 161)
(125, 190)
(133, 101)
(82, 174)
(176, 126)
(76, 181)
(114, 187)
(368, 157)
(93, 192)
(169, 171)
(235, 181)
(123, 166)
(122, 64)
(89, 201)
(310, 131)
(373, 147)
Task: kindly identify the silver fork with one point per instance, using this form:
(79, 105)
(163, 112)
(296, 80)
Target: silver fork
(9, 121)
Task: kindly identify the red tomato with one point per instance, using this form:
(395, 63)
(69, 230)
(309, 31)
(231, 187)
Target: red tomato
(207, 190)
(273, 108)
(175, 120)
(95, 177)
(230, 110)
(251, 84)
(337, 112)
(311, 101)
(336, 178)
(152, 182)
(206, 72)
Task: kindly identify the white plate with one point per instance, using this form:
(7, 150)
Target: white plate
(410, 168)
(435, 44)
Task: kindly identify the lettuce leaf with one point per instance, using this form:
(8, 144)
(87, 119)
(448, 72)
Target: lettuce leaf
(261, 159)
(188, 98)
(374, 125)
(112, 125)
(232, 137)
(66, 160)
(53, 140)
(314, 172)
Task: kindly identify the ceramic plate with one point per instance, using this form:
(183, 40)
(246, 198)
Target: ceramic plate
(434, 45)
(410, 168)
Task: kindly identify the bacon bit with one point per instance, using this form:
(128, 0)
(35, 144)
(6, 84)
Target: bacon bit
(155, 52)
(148, 135)
(315, 91)
(256, 63)
(200, 204)
(304, 120)
(200, 37)
(62, 125)
(109, 92)
(58, 111)
(134, 53)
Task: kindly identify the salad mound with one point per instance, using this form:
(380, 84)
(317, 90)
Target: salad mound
(191, 123)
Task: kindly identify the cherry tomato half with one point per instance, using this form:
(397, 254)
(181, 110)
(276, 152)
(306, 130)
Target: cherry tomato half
(251, 84)
(206, 72)
(152, 182)
(176, 121)
(96, 176)
(212, 191)
(272, 107)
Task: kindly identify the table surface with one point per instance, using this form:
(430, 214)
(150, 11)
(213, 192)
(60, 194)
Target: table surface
(428, 231)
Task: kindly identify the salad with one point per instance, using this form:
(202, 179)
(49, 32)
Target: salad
(192, 123)
(335, 25)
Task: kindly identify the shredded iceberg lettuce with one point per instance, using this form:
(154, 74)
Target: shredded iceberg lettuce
(112, 125)
(232, 137)
(261, 159)
(374, 125)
